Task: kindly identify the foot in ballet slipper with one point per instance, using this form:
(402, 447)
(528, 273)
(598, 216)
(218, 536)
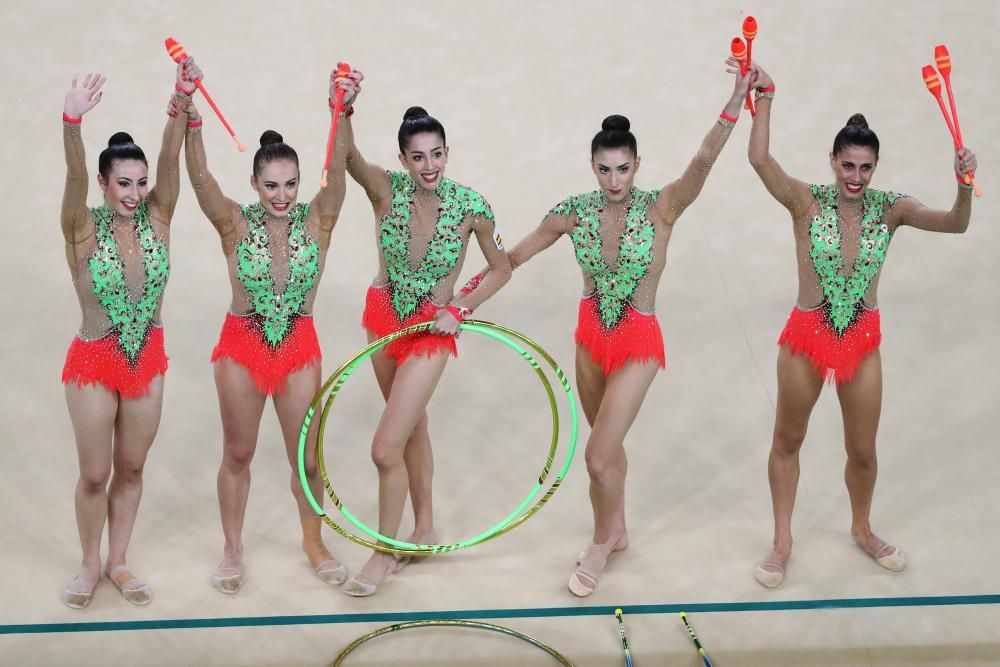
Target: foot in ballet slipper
(403, 561)
(621, 546)
(80, 591)
(372, 575)
(228, 579)
(133, 589)
(326, 567)
(881, 552)
(771, 572)
(592, 563)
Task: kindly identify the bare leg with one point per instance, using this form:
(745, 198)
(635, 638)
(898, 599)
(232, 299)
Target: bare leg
(412, 388)
(241, 406)
(291, 407)
(135, 428)
(799, 387)
(861, 404)
(621, 396)
(92, 409)
(418, 457)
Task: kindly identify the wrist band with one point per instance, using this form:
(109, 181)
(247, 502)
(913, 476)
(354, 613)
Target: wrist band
(455, 312)
(178, 88)
(764, 93)
(194, 123)
(181, 94)
(769, 89)
(72, 121)
(344, 113)
(727, 121)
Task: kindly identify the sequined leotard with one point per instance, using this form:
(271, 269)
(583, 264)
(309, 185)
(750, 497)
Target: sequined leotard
(616, 320)
(837, 322)
(406, 292)
(120, 268)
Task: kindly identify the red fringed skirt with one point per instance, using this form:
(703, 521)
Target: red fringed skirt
(380, 318)
(103, 361)
(243, 341)
(636, 337)
(835, 358)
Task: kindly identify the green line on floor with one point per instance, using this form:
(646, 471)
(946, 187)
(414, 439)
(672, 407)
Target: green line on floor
(537, 612)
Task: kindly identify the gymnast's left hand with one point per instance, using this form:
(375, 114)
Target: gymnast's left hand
(965, 162)
(445, 324)
(350, 84)
(187, 73)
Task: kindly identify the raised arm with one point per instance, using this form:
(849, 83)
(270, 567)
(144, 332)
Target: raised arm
(219, 209)
(77, 224)
(329, 200)
(954, 221)
(792, 193)
(168, 165)
(677, 196)
(372, 178)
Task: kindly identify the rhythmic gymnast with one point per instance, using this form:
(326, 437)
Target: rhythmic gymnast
(424, 224)
(118, 255)
(833, 332)
(620, 235)
(275, 250)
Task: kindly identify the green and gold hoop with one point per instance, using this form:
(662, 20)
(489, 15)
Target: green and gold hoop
(336, 381)
(451, 623)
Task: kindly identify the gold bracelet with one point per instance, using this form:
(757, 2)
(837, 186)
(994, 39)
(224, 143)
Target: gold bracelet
(768, 95)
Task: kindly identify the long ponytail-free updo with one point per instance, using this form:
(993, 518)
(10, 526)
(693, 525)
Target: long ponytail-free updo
(415, 121)
(273, 147)
(855, 133)
(614, 134)
(120, 147)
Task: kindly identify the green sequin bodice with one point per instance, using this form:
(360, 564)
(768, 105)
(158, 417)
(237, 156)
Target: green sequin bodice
(131, 319)
(843, 296)
(635, 250)
(277, 311)
(410, 287)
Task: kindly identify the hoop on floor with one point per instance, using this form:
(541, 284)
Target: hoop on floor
(563, 660)
(515, 518)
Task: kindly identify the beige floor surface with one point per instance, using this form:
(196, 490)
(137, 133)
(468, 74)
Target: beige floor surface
(521, 87)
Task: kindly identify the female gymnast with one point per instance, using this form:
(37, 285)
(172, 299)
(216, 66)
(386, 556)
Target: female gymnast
(842, 233)
(118, 255)
(275, 249)
(424, 224)
(620, 235)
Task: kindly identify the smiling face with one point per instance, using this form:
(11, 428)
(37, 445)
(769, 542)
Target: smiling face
(126, 186)
(278, 186)
(425, 158)
(853, 168)
(615, 169)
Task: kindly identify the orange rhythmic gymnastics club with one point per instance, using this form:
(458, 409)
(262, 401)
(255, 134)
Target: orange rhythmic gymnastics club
(943, 60)
(343, 69)
(749, 34)
(934, 86)
(176, 51)
(739, 51)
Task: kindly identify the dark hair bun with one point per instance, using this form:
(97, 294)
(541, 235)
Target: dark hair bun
(857, 120)
(271, 137)
(415, 112)
(616, 123)
(120, 138)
